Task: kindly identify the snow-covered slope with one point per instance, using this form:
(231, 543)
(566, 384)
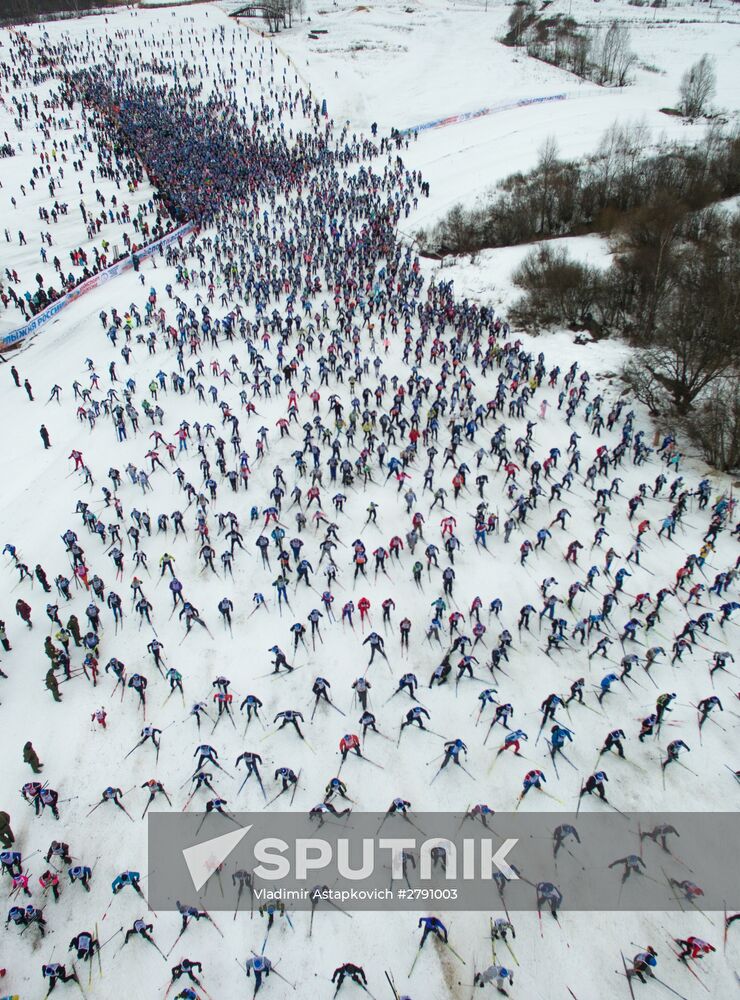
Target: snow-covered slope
(446, 61)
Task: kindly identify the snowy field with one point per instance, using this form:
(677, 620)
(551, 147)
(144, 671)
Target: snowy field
(403, 69)
(377, 63)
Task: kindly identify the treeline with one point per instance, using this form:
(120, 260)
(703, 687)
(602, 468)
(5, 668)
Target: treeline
(24, 11)
(602, 55)
(566, 198)
(277, 13)
(672, 290)
(282, 12)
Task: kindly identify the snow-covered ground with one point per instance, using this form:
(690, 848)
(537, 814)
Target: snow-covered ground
(486, 277)
(377, 63)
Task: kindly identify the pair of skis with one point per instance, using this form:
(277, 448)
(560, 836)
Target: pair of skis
(446, 944)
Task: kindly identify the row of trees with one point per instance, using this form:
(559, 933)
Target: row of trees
(19, 11)
(603, 55)
(565, 198)
(673, 291)
(280, 13)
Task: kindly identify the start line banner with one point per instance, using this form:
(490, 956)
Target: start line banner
(52, 310)
(467, 116)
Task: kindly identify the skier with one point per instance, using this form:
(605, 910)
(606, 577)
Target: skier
(56, 972)
(452, 751)
(561, 834)
(81, 874)
(550, 894)
(143, 929)
(186, 967)
(633, 865)
(595, 783)
(287, 776)
(154, 787)
(86, 945)
(673, 751)
(377, 642)
(558, 735)
(495, 975)
(349, 742)
(613, 740)
(261, 967)
(532, 779)
(432, 925)
(643, 964)
(252, 762)
(706, 706)
(290, 717)
(127, 878)
(660, 833)
(189, 913)
(694, 947)
(415, 715)
(348, 970)
(113, 795)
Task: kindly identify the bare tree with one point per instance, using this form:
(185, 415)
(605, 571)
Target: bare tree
(695, 340)
(547, 164)
(615, 58)
(698, 85)
(291, 9)
(645, 385)
(648, 245)
(715, 425)
(275, 15)
(620, 152)
(624, 61)
(520, 18)
(559, 290)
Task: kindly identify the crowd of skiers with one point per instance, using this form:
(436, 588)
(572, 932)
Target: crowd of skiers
(310, 391)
